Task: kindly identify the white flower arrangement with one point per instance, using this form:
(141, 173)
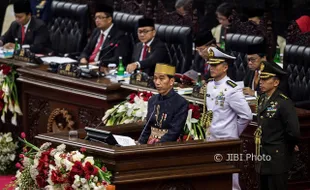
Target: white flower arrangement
(129, 111)
(8, 93)
(7, 151)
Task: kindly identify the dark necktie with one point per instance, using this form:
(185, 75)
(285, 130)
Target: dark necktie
(144, 52)
(23, 34)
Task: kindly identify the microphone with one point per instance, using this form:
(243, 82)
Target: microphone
(147, 123)
(113, 45)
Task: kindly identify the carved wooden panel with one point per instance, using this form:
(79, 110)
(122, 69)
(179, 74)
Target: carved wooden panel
(248, 177)
(38, 108)
(300, 167)
(90, 117)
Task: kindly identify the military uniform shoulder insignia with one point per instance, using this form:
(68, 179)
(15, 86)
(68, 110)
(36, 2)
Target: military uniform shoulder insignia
(210, 79)
(283, 96)
(231, 83)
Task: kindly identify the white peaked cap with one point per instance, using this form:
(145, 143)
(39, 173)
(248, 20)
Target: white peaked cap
(216, 53)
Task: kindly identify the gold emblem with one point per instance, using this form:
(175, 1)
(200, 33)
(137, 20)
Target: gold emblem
(262, 66)
(68, 67)
(22, 52)
(211, 53)
(138, 77)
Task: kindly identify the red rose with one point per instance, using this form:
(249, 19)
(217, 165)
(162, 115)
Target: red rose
(196, 115)
(1, 105)
(5, 69)
(195, 111)
(83, 149)
(146, 95)
(104, 169)
(90, 169)
(132, 97)
(23, 135)
(57, 177)
(77, 169)
(41, 181)
(18, 165)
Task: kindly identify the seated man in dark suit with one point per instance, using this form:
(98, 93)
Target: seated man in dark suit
(255, 56)
(27, 29)
(149, 50)
(107, 43)
(202, 43)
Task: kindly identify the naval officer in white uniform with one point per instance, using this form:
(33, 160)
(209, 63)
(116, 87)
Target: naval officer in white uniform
(227, 109)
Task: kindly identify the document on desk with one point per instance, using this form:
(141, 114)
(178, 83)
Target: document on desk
(124, 140)
(59, 60)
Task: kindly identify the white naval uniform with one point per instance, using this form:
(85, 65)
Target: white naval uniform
(231, 113)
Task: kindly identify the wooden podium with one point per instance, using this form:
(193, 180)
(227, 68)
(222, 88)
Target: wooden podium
(175, 165)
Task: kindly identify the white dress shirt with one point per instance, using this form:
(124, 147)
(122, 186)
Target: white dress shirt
(105, 36)
(141, 53)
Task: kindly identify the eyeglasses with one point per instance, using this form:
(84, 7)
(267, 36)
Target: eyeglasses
(252, 59)
(144, 32)
(221, 19)
(201, 49)
(100, 17)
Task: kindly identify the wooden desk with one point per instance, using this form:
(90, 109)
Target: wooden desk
(52, 102)
(188, 165)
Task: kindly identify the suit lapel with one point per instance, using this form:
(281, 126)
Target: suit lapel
(149, 51)
(28, 32)
(19, 34)
(95, 40)
(252, 75)
(108, 39)
(138, 52)
(272, 98)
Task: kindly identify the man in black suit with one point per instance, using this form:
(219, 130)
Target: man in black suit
(149, 50)
(202, 42)
(107, 43)
(278, 130)
(255, 56)
(27, 29)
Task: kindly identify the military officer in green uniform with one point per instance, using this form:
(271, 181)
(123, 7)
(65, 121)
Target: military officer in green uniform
(277, 132)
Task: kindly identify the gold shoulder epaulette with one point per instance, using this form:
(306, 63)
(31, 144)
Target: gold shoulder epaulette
(231, 83)
(210, 79)
(283, 96)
